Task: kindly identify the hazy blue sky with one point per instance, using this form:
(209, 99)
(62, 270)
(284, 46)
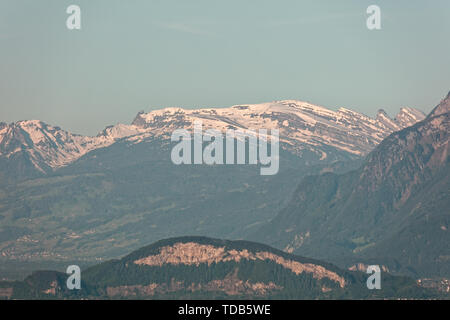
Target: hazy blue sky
(142, 55)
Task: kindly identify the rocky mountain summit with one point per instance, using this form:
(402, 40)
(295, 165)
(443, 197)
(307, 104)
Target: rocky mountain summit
(205, 268)
(34, 146)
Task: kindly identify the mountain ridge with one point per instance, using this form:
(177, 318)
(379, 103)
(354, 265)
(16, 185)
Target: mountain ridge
(400, 192)
(205, 268)
(303, 126)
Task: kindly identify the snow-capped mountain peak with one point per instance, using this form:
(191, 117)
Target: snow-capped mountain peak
(47, 146)
(304, 127)
(119, 131)
(408, 116)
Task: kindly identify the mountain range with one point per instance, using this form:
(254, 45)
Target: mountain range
(70, 198)
(393, 210)
(351, 190)
(31, 147)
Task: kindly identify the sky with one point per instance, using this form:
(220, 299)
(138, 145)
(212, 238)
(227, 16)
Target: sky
(147, 54)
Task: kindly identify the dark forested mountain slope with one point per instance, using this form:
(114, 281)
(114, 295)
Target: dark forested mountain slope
(204, 268)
